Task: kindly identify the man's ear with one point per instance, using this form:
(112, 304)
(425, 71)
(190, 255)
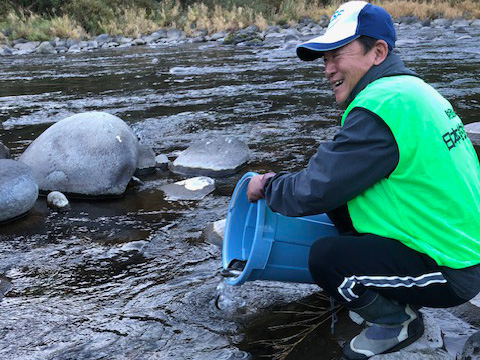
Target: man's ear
(381, 51)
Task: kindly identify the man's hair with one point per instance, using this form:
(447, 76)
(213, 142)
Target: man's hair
(367, 42)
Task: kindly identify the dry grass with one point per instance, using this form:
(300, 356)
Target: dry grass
(129, 22)
(66, 28)
(306, 321)
(134, 22)
(468, 9)
(292, 11)
(199, 16)
(34, 27)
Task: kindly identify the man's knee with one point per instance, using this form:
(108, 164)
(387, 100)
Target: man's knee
(322, 254)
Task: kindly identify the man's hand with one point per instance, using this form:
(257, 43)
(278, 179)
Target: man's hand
(256, 186)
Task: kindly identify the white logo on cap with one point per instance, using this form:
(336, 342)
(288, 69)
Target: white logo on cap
(335, 17)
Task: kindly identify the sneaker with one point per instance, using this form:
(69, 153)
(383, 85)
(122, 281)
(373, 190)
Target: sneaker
(381, 339)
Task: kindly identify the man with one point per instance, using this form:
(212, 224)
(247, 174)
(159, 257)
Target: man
(400, 181)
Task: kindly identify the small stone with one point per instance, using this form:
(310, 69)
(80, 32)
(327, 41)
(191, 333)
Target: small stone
(103, 39)
(272, 29)
(218, 35)
(292, 37)
(45, 48)
(139, 41)
(74, 49)
(240, 355)
(93, 44)
(214, 232)
(162, 162)
(6, 51)
(57, 200)
(146, 160)
(440, 22)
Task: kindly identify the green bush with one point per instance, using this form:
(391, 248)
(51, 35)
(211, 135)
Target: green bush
(89, 14)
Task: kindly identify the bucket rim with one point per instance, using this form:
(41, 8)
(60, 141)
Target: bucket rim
(260, 216)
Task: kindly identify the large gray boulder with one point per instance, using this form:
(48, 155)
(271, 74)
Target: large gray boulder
(91, 154)
(218, 157)
(18, 189)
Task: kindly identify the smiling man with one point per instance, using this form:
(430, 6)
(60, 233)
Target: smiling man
(400, 181)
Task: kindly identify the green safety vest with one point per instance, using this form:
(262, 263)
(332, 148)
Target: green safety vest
(431, 201)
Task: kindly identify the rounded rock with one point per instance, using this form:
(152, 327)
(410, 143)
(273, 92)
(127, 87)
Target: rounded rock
(57, 200)
(89, 154)
(46, 48)
(161, 161)
(18, 189)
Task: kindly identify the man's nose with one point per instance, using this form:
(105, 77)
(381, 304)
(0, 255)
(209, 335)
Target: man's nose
(329, 69)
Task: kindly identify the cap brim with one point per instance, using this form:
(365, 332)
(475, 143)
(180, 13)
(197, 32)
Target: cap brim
(315, 48)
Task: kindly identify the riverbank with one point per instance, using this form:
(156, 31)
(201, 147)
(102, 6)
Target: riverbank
(252, 35)
(84, 20)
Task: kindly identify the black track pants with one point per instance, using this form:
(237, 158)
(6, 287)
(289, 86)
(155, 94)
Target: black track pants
(352, 268)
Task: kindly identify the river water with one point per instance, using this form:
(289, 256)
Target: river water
(134, 278)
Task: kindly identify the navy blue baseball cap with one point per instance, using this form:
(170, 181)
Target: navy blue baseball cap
(352, 20)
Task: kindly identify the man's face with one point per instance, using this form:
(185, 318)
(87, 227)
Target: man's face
(345, 66)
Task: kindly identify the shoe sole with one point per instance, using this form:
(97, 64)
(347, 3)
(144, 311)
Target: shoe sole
(406, 342)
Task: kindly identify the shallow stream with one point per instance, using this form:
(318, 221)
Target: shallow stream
(134, 278)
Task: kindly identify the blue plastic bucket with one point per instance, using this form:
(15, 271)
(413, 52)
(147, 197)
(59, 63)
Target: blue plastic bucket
(275, 247)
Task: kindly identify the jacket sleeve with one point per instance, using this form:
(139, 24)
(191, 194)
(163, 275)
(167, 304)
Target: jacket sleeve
(363, 152)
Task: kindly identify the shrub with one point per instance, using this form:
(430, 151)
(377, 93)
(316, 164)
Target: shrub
(89, 14)
(129, 22)
(66, 28)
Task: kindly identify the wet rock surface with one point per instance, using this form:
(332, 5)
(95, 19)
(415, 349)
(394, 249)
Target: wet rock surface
(146, 162)
(213, 157)
(190, 189)
(4, 152)
(93, 154)
(18, 189)
(213, 232)
(471, 349)
(473, 132)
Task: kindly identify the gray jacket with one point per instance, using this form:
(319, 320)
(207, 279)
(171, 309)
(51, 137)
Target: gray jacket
(363, 152)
